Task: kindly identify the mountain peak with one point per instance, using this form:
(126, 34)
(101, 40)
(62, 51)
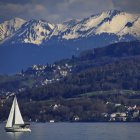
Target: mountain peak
(114, 11)
(34, 31)
(112, 22)
(9, 27)
(71, 21)
(37, 21)
(18, 19)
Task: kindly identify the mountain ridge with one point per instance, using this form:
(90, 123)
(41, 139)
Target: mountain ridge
(44, 42)
(113, 23)
(9, 27)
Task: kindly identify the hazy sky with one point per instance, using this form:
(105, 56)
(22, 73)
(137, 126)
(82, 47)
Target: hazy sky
(60, 10)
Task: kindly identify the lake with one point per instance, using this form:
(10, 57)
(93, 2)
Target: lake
(76, 131)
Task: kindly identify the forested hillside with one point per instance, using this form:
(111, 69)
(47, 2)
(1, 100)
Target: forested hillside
(86, 86)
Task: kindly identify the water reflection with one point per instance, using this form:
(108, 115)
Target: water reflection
(15, 135)
(76, 131)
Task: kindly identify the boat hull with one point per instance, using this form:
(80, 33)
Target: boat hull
(11, 129)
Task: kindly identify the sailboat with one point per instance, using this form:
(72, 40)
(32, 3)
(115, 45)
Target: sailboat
(15, 121)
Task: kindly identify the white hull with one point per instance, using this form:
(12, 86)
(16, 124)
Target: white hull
(11, 129)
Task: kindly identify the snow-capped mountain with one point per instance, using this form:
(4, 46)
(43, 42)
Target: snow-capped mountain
(110, 22)
(8, 28)
(33, 31)
(110, 26)
(62, 29)
(59, 41)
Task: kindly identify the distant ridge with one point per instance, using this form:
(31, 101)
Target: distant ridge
(25, 43)
(113, 25)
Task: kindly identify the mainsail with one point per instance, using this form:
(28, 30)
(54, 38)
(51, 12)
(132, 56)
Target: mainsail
(15, 115)
(11, 115)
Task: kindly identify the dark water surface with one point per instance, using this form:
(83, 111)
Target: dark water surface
(76, 131)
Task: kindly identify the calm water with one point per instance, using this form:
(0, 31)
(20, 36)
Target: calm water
(76, 131)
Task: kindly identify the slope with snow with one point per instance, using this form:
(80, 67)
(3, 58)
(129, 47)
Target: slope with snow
(113, 24)
(121, 24)
(62, 29)
(110, 22)
(9, 27)
(33, 31)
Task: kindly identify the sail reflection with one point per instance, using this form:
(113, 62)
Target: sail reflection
(15, 135)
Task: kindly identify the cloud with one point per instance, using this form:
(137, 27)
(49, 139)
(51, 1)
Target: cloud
(52, 10)
(128, 5)
(24, 11)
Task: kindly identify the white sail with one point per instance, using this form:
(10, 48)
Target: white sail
(18, 117)
(15, 121)
(15, 115)
(11, 116)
